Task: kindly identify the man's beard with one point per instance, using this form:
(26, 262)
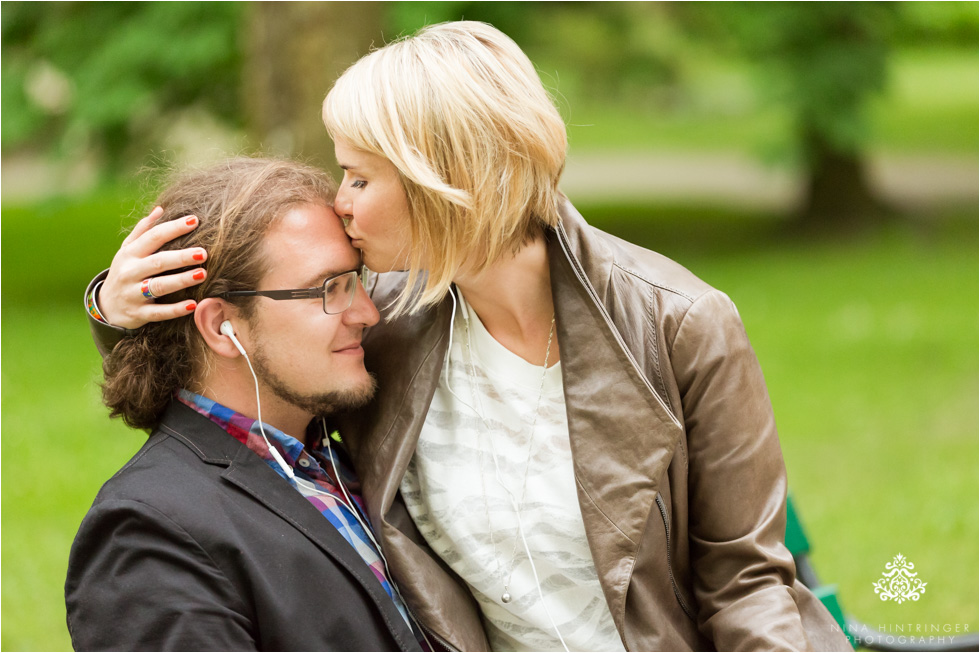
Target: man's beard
(319, 404)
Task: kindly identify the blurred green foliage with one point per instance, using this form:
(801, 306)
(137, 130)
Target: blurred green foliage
(102, 73)
(110, 76)
(821, 60)
(77, 237)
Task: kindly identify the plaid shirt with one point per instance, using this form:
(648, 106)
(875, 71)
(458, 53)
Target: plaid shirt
(328, 498)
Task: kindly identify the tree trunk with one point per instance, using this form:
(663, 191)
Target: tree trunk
(295, 51)
(838, 193)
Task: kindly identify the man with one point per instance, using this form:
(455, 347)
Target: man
(239, 526)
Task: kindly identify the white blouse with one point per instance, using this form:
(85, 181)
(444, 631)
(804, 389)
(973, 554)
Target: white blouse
(464, 504)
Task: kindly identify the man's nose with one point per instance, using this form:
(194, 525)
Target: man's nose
(362, 310)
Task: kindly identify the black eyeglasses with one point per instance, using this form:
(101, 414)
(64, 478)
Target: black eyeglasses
(337, 291)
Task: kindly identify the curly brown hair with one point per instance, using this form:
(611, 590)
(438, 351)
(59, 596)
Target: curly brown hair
(236, 202)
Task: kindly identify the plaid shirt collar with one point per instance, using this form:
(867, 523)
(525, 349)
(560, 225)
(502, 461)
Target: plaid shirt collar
(328, 498)
(247, 430)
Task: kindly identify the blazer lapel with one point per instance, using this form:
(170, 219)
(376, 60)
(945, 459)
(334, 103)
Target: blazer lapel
(253, 475)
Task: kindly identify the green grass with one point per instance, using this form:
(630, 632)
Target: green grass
(58, 448)
(869, 346)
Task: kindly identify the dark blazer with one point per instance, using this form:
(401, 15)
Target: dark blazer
(197, 544)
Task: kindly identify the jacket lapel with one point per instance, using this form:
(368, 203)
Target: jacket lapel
(407, 359)
(406, 383)
(253, 475)
(622, 435)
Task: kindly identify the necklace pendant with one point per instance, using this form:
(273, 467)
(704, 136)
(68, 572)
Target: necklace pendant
(505, 597)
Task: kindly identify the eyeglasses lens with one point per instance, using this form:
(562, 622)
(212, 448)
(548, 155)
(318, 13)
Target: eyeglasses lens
(338, 293)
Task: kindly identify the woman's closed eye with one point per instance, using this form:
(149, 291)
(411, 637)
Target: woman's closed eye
(358, 183)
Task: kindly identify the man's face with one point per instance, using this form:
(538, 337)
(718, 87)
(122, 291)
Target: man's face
(307, 358)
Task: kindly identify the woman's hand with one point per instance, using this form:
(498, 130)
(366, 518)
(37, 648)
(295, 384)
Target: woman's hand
(121, 298)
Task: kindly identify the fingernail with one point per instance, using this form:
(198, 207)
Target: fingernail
(198, 275)
(191, 306)
(198, 256)
(191, 221)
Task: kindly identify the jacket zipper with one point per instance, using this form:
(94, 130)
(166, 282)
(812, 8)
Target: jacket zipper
(612, 328)
(428, 632)
(670, 565)
(609, 323)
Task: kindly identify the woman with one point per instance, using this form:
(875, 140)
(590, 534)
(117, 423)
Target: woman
(576, 426)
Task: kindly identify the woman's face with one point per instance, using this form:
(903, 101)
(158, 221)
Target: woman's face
(372, 202)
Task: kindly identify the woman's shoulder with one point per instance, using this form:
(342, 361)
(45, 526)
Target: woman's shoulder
(652, 269)
(385, 288)
(608, 259)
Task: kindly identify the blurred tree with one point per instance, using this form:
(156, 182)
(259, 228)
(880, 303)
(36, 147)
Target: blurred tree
(929, 23)
(79, 75)
(110, 77)
(585, 51)
(295, 51)
(823, 61)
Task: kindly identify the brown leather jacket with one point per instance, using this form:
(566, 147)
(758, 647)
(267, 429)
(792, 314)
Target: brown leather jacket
(680, 476)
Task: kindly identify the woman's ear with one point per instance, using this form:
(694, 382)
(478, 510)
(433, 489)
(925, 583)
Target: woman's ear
(208, 317)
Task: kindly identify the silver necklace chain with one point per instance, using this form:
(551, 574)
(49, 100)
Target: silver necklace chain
(518, 506)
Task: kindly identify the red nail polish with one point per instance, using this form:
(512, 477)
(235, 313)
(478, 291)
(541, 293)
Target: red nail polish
(199, 256)
(191, 221)
(198, 275)
(191, 306)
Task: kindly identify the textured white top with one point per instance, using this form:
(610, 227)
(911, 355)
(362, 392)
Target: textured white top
(452, 492)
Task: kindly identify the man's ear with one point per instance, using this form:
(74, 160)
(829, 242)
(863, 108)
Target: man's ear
(208, 316)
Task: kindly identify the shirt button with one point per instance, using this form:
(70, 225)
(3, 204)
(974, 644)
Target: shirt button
(304, 462)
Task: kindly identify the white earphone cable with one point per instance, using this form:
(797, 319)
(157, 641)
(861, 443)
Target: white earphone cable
(493, 451)
(258, 403)
(349, 503)
(366, 527)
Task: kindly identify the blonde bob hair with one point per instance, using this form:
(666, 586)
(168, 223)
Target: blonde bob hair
(461, 113)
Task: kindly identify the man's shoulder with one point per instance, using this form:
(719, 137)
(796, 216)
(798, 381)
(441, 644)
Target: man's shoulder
(163, 474)
(175, 467)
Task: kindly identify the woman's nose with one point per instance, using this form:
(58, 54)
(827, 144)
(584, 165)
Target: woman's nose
(342, 205)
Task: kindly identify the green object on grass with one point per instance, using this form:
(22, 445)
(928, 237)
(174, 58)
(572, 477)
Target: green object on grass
(796, 540)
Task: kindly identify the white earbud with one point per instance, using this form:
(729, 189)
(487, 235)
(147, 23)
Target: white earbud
(228, 330)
